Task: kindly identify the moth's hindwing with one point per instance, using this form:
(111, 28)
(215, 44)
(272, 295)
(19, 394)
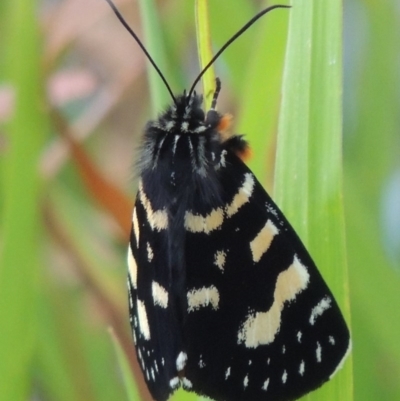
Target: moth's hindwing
(261, 323)
(154, 327)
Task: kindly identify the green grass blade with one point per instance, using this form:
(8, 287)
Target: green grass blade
(130, 385)
(308, 183)
(20, 219)
(204, 50)
(372, 161)
(155, 46)
(260, 97)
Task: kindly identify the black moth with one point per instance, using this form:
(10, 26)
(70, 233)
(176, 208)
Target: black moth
(224, 299)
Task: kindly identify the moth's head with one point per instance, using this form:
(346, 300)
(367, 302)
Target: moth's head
(185, 115)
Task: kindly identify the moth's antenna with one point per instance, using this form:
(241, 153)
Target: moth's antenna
(129, 29)
(232, 39)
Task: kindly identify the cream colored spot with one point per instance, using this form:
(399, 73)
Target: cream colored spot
(143, 322)
(197, 223)
(150, 254)
(160, 295)
(261, 327)
(135, 226)
(220, 259)
(284, 377)
(228, 372)
(199, 298)
(265, 385)
(243, 195)
(262, 241)
(132, 268)
(158, 220)
(318, 310)
(246, 381)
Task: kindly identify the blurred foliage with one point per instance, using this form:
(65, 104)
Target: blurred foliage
(72, 78)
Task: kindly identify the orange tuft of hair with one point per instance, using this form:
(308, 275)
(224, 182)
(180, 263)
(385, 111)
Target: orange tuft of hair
(223, 126)
(246, 154)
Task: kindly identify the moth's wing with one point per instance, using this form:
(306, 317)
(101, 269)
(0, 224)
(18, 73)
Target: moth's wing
(261, 323)
(155, 329)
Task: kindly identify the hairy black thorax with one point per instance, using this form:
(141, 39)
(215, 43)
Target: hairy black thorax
(180, 157)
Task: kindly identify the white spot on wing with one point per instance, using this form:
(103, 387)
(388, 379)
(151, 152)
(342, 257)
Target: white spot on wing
(265, 385)
(198, 298)
(201, 362)
(331, 340)
(143, 321)
(261, 243)
(302, 368)
(160, 295)
(242, 196)
(284, 377)
(246, 381)
(261, 327)
(299, 335)
(318, 352)
(220, 259)
(187, 384)
(174, 383)
(132, 268)
(181, 361)
(318, 310)
(228, 372)
(150, 254)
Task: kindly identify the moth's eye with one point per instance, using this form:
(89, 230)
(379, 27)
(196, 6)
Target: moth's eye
(213, 118)
(198, 114)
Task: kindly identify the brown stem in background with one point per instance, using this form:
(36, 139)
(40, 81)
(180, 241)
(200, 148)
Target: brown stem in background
(110, 197)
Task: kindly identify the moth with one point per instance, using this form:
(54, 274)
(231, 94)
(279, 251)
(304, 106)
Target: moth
(224, 299)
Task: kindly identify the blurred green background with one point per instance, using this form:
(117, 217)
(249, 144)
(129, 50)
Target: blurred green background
(68, 70)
